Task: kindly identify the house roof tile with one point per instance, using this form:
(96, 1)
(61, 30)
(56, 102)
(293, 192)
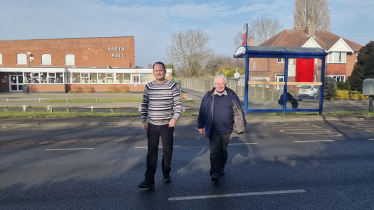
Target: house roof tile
(297, 38)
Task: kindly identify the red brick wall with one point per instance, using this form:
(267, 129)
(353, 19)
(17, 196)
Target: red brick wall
(89, 52)
(336, 69)
(47, 88)
(351, 61)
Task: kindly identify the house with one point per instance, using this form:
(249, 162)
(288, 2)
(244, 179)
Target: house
(340, 61)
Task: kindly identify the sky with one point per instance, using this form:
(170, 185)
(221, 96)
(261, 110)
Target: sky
(153, 22)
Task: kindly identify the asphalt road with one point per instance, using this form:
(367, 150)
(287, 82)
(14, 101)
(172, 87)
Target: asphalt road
(285, 165)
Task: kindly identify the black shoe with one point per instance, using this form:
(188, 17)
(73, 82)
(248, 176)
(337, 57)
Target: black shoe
(214, 177)
(167, 179)
(147, 184)
(222, 172)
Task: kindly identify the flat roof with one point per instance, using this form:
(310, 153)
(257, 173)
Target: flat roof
(278, 52)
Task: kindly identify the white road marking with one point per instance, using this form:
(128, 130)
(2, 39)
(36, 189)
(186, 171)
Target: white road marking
(68, 149)
(312, 141)
(233, 144)
(147, 147)
(236, 195)
(371, 139)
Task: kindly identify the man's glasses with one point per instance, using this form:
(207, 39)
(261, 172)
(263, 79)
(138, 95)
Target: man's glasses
(220, 84)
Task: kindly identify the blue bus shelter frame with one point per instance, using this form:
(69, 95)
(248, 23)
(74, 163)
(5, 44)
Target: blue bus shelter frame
(248, 52)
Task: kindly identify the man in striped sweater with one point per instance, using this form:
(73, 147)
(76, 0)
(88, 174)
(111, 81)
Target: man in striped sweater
(160, 111)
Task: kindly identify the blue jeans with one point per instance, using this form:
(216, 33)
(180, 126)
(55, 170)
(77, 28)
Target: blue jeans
(154, 132)
(218, 151)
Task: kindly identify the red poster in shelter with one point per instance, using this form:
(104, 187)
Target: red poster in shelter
(304, 70)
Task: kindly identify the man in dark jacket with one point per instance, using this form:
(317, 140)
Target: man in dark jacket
(220, 114)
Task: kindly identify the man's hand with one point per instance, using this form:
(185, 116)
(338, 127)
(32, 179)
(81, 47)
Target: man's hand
(145, 126)
(201, 130)
(172, 122)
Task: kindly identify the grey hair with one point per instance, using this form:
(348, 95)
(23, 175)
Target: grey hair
(220, 76)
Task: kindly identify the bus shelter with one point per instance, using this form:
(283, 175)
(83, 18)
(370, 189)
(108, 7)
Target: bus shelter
(285, 53)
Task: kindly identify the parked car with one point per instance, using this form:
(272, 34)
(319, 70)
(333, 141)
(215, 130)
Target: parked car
(308, 91)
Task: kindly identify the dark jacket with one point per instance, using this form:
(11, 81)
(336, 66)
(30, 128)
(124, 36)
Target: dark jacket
(205, 119)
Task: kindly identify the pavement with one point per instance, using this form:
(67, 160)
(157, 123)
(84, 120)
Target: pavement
(36, 100)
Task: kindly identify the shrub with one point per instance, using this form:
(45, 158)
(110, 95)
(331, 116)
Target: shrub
(349, 95)
(123, 89)
(77, 89)
(89, 89)
(342, 85)
(330, 88)
(342, 94)
(112, 89)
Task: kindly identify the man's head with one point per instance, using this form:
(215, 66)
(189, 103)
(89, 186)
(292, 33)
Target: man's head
(220, 83)
(159, 71)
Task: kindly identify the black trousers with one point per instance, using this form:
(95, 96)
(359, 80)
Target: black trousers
(154, 132)
(218, 151)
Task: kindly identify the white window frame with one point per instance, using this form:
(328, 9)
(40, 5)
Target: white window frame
(280, 60)
(337, 57)
(46, 59)
(67, 61)
(21, 57)
(335, 77)
(1, 58)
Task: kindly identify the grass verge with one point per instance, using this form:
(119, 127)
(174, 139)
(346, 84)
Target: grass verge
(12, 114)
(366, 113)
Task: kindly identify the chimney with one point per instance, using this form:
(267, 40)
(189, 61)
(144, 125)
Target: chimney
(250, 41)
(310, 29)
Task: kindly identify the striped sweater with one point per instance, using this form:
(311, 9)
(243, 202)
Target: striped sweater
(161, 102)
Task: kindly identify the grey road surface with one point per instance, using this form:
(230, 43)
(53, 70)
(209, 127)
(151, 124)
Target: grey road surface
(275, 165)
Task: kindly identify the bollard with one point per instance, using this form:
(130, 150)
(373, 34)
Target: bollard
(140, 109)
(183, 109)
(24, 108)
(92, 109)
(68, 109)
(48, 107)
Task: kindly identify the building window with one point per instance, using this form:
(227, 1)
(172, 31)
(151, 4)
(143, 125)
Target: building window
(338, 78)
(1, 58)
(93, 77)
(337, 57)
(46, 59)
(254, 66)
(59, 77)
(135, 78)
(280, 60)
(22, 58)
(356, 57)
(70, 59)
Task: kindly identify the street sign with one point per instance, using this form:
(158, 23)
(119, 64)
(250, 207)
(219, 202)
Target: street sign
(236, 75)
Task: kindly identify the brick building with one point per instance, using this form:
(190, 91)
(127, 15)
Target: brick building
(341, 58)
(59, 65)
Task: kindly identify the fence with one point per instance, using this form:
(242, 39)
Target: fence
(256, 92)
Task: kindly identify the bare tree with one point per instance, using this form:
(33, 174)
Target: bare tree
(260, 30)
(188, 51)
(217, 62)
(315, 11)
